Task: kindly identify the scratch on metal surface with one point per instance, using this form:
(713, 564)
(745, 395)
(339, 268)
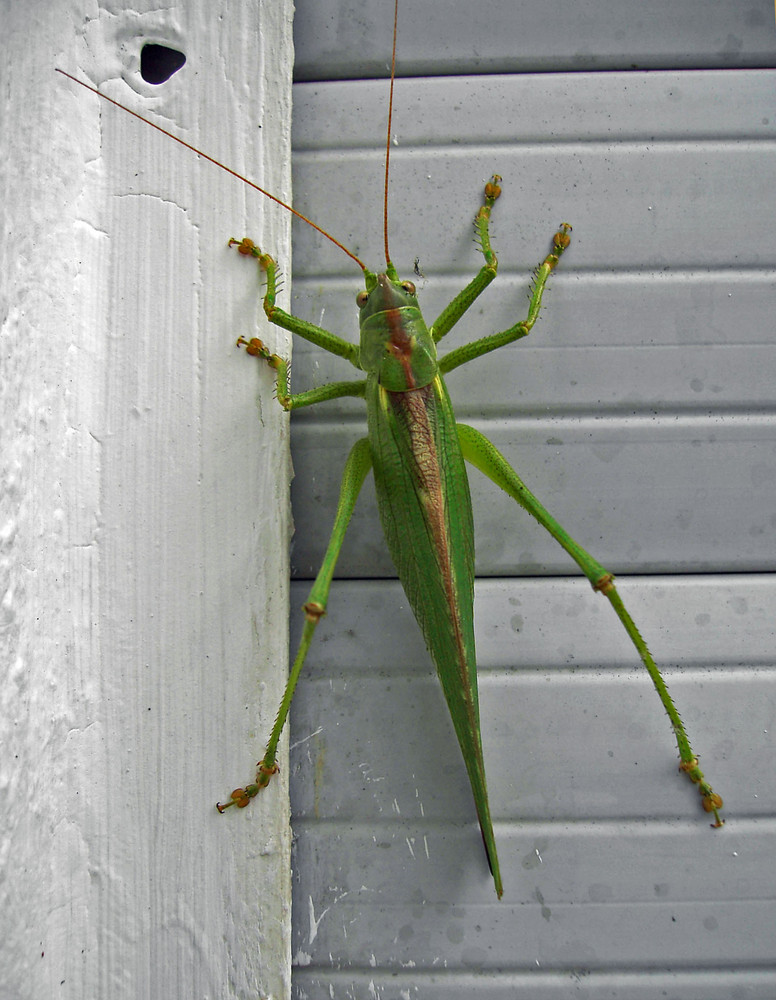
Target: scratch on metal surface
(306, 738)
(314, 924)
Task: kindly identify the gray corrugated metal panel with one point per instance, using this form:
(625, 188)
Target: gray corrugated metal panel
(633, 206)
(693, 621)
(575, 984)
(636, 208)
(608, 897)
(677, 341)
(570, 746)
(670, 253)
(562, 107)
(587, 864)
(392, 907)
(644, 495)
(609, 864)
(349, 39)
(566, 745)
(571, 725)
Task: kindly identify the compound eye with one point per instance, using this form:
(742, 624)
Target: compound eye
(408, 286)
(361, 299)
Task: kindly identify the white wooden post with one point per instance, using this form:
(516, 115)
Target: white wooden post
(143, 507)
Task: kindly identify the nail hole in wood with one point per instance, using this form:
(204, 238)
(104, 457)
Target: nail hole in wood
(158, 63)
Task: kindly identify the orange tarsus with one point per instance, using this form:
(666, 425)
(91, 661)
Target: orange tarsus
(492, 188)
(240, 797)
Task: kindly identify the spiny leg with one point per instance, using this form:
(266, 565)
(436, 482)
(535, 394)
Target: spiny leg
(465, 298)
(315, 334)
(356, 468)
(293, 401)
(309, 331)
(480, 452)
(475, 349)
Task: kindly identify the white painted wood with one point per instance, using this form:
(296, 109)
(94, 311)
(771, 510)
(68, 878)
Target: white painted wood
(144, 508)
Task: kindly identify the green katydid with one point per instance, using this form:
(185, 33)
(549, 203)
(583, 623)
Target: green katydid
(417, 452)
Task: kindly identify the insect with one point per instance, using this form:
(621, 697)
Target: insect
(417, 453)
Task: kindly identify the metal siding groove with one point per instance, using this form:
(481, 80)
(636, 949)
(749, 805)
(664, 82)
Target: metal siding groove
(349, 39)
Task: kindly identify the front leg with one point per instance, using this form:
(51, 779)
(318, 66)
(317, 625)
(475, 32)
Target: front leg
(455, 309)
(293, 401)
(309, 331)
(477, 348)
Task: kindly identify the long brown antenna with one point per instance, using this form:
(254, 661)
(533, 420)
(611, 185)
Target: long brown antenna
(388, 140)
(212, 159)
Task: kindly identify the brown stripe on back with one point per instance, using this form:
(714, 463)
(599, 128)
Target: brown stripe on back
(412, 408)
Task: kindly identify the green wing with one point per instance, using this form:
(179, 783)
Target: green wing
(426, 513)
